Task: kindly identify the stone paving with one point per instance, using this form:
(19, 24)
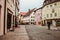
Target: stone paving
(35, 32)
(19, 34)
(41, 33)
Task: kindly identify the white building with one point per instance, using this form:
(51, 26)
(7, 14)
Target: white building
(32, 18)
(26, 20)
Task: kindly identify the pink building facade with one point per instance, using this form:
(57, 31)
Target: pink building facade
(38, 16)
(1, 17)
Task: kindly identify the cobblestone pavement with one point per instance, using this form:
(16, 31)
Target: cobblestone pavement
(19, 34)
(41, 33)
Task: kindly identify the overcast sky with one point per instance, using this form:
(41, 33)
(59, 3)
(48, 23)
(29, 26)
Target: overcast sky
(30, 4)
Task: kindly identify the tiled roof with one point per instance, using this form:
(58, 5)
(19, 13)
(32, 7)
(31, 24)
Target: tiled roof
(23, 13)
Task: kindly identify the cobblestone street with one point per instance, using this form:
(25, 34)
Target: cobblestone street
(41, 33)
(32, 32)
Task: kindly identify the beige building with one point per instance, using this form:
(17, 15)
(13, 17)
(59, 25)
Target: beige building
(51, 11)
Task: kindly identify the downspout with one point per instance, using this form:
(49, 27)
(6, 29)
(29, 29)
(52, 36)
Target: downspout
(4, 16)
(15, 12)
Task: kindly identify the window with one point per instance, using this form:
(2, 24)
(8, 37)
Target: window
(50, 5)
(47, 6)
(38, 13)
(32, 16)
(33, 13)
(50, 0)
(47, 15)
(12, 1)
(53, 10)
(55, 14)
(55, 4)
(50, 15)
(47, 2)
(44, 3)
(32, 20)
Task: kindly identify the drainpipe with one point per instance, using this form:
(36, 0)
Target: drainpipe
(4, 16)
(15, 12)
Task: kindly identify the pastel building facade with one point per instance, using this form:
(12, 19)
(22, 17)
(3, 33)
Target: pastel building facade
(2, 17)
(38, 16)
(7, 18)
(51, 11)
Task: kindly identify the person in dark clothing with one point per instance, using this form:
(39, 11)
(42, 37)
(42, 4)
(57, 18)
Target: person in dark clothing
(48, 24)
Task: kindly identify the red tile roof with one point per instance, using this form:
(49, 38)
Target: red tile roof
(23, 13)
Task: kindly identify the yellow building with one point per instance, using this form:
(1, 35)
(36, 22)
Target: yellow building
(51, 11)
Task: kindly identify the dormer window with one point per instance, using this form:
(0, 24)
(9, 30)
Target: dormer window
(47, 2)
(44, 3)
(50, 1)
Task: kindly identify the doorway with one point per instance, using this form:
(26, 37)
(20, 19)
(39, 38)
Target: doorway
(9, 16)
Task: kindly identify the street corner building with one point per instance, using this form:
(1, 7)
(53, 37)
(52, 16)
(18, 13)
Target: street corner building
(51, 11)
(7, 15)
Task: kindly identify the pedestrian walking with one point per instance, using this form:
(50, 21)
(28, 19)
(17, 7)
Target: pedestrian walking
(48, 24)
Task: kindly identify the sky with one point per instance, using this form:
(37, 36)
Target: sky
(30, 4)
